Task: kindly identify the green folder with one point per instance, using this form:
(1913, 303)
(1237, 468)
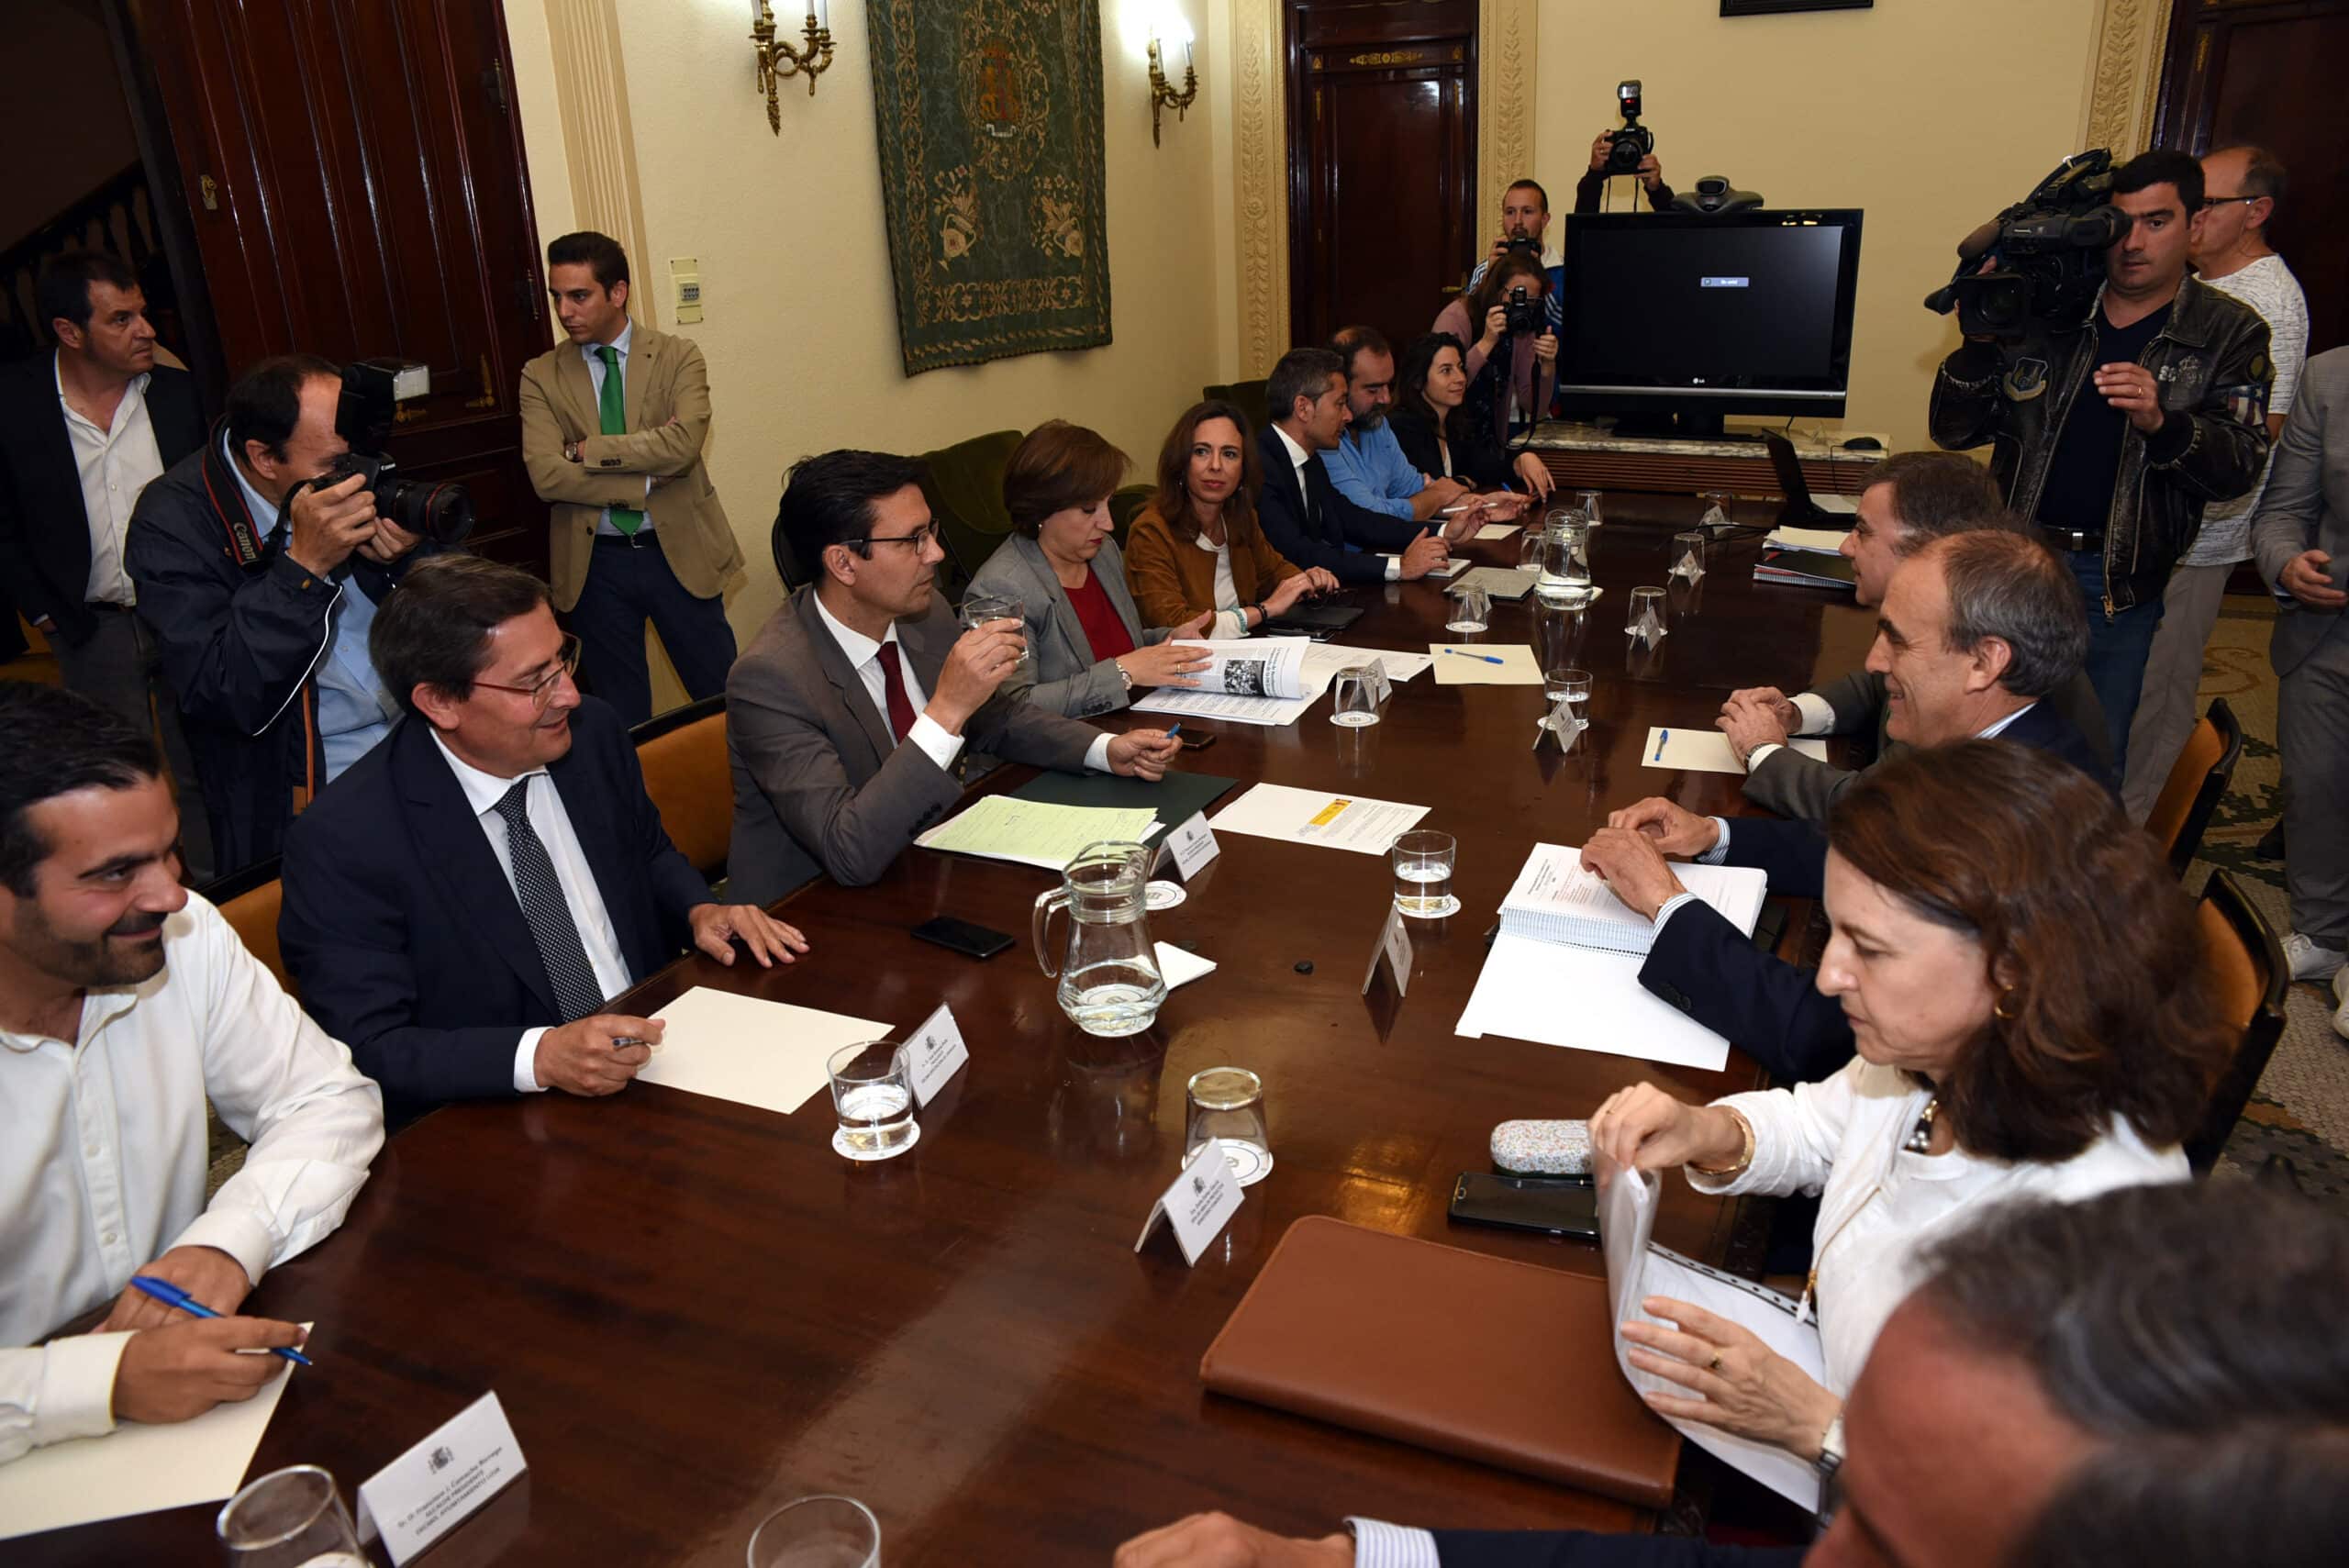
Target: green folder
(1174, 799)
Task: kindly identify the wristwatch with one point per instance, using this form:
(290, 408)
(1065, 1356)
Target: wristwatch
(1831, 1448)
(571, 451)
(1123, 675)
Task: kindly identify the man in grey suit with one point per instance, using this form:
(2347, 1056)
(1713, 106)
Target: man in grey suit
(848, 714)
(2301, 541)
(1912, 499)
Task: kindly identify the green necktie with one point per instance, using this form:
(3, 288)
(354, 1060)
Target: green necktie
(625, 518)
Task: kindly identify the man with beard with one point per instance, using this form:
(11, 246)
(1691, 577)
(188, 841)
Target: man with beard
(126, 1003)
(1367, 465)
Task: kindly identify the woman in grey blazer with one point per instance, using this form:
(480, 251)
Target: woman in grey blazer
(1091, 649)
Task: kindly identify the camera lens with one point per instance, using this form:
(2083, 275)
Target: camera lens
(442, 513)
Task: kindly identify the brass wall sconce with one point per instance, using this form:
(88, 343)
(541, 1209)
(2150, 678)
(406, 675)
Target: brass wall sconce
(778, 60)
(1162, 96)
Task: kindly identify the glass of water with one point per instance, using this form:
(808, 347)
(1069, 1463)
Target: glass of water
(1472, 609)
(1529, 550)
(1226, 1110)
(1587, 502)
(290, 1519)
(818, 1532)
(1571, 687)
(1423, 860)
(1689, 556)
(874, 1099)
(1644, 618)
(1355, 701)
(981, 608)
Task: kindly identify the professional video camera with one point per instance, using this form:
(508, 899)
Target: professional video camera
(2048, 250)
(1627, 146)
(372, 390)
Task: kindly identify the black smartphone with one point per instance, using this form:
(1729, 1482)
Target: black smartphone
(1555, 1206)
(1194, 739)
(972, 941)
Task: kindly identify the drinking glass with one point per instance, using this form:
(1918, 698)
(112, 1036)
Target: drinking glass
(1227, 1109)
(289, 1519)
(1572, 687)
(1472, 609)
(1644, 619)
(1587, 502)
(1689, 556)
(1529, 550)
(1423, 861)
(818, 1532)
(981, 608)
(874, 1099)
(1356, 700)
(1716, 508)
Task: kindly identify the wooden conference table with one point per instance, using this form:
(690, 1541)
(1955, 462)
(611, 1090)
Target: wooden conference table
(694, 1311)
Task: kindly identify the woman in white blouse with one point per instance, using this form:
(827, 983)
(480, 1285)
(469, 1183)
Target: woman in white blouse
(2033, 1015)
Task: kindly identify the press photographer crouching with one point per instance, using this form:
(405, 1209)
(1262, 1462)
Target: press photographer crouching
(2117, 399)
(260, 561)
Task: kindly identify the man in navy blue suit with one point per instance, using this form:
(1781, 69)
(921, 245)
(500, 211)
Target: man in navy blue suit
(1975, 629)
(1302, 515)
(463, 900)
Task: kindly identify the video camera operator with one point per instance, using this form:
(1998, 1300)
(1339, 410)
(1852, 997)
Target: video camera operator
(259, 587)
(1513, 334)
(2112, 429)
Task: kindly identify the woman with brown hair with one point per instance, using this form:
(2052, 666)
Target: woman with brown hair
(1479, 319)
(1195, 548)
(2034, 1017)
(1060, 563)
(1432, 425)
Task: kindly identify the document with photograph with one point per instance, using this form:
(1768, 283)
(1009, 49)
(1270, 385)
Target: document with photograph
(1249, 680)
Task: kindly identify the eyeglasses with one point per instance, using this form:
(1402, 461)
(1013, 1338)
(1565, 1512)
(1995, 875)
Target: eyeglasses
(927, 534)
(541, 691)
(2222, 201)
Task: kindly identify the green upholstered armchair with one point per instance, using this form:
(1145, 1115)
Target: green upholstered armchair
(964, 484)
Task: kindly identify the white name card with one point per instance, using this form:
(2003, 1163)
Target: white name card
(1193, 845)
(1199, 1206)
(1378, 679)
(434, 1486)
(935, 1054)
(1394, 950)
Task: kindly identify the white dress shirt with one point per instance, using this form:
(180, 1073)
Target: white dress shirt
(552, 823)
(864, 657)
(594, 354)
(1298, 457)
(102, 1159)
(115, 465)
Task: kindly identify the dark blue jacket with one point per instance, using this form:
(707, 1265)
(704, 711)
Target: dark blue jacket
(1316, 531)
(406, 939)
(1584, 1549)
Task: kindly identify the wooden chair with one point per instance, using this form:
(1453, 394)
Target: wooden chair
(1249, 396)
(2246, 962)
(964, 484)
(682, 753)
(250, 900)
(2195, 782)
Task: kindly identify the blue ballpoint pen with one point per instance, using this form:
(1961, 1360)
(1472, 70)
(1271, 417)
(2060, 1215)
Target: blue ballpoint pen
(171, 1295)
(1661, 737)
(1486, 657)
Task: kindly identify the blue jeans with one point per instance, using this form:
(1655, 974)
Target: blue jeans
(2118, 649)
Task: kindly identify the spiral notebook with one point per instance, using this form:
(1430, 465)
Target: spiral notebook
(1556, 900)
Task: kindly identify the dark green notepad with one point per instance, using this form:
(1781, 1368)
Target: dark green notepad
(1174, 799)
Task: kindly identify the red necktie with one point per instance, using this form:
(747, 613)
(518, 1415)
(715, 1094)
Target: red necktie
(893, 683)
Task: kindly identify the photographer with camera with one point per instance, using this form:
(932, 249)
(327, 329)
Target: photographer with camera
(1525, 227)
(2113, 422)
(1505, 322)
(260, 586)
(1630, 151)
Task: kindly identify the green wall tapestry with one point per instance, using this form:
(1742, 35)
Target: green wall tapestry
(989, 113)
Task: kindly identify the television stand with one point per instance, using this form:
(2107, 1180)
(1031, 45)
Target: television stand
(1689, 424)
(1584, 457)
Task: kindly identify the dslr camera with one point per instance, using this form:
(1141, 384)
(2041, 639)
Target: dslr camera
(1627, 146)
(372, 390)
(1524, 310)
(2047, 252)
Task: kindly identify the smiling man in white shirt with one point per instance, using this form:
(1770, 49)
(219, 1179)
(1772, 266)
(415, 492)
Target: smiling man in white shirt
(126, 1003)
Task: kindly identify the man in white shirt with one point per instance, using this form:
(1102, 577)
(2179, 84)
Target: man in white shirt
(126, 1003)
(848, 716)
(2242, 188)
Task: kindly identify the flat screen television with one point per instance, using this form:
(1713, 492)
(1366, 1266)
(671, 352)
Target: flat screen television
(1676, 319)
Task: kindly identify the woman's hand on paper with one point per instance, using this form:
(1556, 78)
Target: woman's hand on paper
(1739, 1385)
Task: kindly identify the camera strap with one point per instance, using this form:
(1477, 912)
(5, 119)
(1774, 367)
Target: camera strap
(226, 495)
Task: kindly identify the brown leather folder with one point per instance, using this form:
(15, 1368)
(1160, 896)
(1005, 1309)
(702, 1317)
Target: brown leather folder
(1507, 1362)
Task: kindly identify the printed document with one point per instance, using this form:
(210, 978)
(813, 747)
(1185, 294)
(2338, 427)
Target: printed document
(1319, 817)
(1557, 900)
(1818, 541)
(1035, 832)
(1583, 1000)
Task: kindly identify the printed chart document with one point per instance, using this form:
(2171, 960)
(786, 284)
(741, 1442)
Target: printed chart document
(755, 1052)
(1637, 1268)
(137, 1469)
(1471, 664)
(1707, 751)
(1318, 667)
(1319, 817)
(1035, 832)
(1556, 900)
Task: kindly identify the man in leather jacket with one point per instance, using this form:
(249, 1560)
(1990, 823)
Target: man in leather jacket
(2112, 433)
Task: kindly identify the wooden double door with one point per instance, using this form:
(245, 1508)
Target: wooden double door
(354, 183)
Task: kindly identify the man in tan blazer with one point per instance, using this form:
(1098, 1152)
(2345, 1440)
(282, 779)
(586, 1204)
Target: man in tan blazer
(612, 431)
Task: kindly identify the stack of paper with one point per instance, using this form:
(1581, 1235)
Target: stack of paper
(1816, 541)
(1583, 1000)
(1557, 900)
(1034, 832)
(1316, 666)
(1804, 569)
(1318, 816)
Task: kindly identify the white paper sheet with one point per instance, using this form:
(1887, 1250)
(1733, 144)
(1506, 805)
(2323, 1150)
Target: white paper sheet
(1180, 966)
(1818, 541)
(138, 1469)
(1500, 530)
(1333, 821)
(1324, 659)
(1451, 564)
(1270, 712)
(1584, 1000)
(1707, 751)
(1636, 1269)
(1453, 668)
(755, 1052)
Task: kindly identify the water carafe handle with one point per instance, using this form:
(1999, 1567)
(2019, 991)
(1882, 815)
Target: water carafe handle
(1040, 928)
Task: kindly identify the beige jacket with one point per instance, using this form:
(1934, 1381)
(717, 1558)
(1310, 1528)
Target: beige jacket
(665, 381)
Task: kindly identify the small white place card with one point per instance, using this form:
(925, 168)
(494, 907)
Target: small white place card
(434, 1486)
(1394, 950)
(935, 1054)
(1378, 678)
(1193, 845)
(1199, 1206)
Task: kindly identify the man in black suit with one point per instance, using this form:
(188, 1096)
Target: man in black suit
(1974, 631)
(459, 904)
(1302, 515)
(81, 432)
(2147, 1376)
